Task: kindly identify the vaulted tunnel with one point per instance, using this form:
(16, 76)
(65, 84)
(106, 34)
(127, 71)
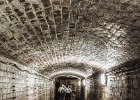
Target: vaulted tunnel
(91, 45)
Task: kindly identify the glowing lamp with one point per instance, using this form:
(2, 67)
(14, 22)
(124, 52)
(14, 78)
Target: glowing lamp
(103, 79)
(84, 82)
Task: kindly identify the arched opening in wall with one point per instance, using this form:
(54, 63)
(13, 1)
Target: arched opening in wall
(76, 84)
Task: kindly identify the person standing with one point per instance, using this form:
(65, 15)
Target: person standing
(68, 93)
(61, 91)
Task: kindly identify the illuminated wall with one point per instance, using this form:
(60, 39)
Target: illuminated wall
(20, 84)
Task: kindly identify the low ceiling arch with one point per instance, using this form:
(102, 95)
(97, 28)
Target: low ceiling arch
(68, 76)
(70, 65)
(67, 72)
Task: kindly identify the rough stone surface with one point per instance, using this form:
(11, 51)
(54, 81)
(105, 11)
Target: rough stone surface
(19, 84)
(120, 84)
(42, 34)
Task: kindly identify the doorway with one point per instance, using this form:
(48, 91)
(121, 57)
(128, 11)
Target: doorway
(74, 83)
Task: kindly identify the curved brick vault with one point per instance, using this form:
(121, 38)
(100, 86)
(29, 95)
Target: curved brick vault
(49, 35)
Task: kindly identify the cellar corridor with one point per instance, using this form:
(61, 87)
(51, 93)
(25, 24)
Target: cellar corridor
(93, 46)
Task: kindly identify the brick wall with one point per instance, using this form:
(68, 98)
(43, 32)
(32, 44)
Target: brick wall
(116, 88)
(122, 87)
(20, 84)
(95, 91)
(122, 83)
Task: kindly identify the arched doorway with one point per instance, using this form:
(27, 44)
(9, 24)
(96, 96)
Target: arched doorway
(76, 86)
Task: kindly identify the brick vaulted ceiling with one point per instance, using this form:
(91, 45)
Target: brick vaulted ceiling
(50, 35)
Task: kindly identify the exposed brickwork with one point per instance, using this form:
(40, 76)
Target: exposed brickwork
(116, 88)
(123, 85)
(122, 88)
(45, 33)
(19, 84)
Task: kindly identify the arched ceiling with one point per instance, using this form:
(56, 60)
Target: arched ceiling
(45, 34)
(68, 72)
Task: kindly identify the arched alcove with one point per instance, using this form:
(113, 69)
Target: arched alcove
(74, 82)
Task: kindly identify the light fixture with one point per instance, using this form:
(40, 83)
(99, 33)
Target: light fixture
(103, 79)
(84, 82)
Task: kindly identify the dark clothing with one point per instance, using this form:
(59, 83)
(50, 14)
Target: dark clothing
(68, 93)
(61, 92)
(68, 96)
(61, 96)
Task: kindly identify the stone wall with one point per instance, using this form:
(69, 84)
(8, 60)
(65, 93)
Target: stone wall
(21, 84)
(116, 88)
(123, 83)
(95, 88)
(121, 87)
